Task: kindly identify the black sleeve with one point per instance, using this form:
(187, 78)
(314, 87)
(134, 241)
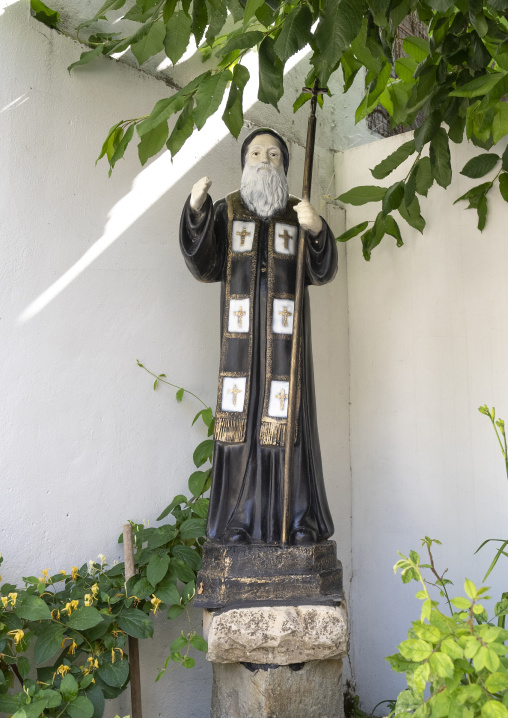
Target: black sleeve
(203, 239)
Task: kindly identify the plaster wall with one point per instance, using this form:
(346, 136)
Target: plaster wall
(91, 278)
(428, 340)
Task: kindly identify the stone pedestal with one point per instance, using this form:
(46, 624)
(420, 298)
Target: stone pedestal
(276, 624)
(277, 661)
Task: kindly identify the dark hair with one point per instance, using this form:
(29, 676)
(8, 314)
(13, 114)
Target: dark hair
(266, 131)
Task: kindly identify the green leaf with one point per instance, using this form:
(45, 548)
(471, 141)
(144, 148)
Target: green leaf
(441, 665)
(201, 506)
(494, 709)
(81, 708)
(241, 42)
(175, 612)
(461, 603)
(271, 73)
(479, 86)
(405, 68)
(178, 32)
(233, 113)
(250, 10)
(69, 688)
(415, 649)
(114, 674)
(482, 215)
(427, 130)
(151, 44)
(31, 608)
(412, 215)
(44, 14)
(168, 592)
(295, 33)
(199, 643)
(178, 644)
(193, 528)
(480, 166)
(209, 96)
(452, 649)
(363, 194)
(424, 177)
(338, 26)
(122, 146)
(87, 57)
(500, 122)
(392, 228)
(162, 535)
(384, 168)
(183, 572)
(497, 682)
(426, 632)
(440, 158)
(501, 607)
(203, 452)
(85, 617)
(23, 666)
(152, 143)
(142, 588)
(162, 112)
(157, 568)
(199, 19)
(180, 499)
(135, 623)
(353, 232)
(49, 640)
(182, 130)
(393, 197)
(197, 482)
(217, 15)
(416, 47)
(189, 556)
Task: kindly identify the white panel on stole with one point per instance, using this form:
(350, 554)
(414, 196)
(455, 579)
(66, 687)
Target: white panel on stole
(233, 393)
(239, 315)
(285, 238)
(278, 403)
(283, 313)
(243, 235)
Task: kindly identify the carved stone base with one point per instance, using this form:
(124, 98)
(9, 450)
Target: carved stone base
(313, 691)
(263, 575)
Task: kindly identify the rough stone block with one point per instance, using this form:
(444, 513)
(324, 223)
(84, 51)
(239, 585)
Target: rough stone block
(281, 635)
(315, 691)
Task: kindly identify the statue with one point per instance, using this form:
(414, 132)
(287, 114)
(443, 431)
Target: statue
(247, 241)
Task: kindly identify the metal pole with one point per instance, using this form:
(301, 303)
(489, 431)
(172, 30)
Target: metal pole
(128, 552)
(297, 321)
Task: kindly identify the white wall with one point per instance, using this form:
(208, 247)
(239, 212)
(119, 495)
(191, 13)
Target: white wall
(91, 278)
(428, 344)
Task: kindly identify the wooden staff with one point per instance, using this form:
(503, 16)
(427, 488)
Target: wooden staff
(297, 319)
(128, 552)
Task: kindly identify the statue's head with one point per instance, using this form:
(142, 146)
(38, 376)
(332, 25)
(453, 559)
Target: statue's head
(265, 161)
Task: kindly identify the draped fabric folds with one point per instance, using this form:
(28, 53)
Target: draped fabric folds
(247, 481)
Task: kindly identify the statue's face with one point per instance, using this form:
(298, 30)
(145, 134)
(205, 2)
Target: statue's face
(264, 149)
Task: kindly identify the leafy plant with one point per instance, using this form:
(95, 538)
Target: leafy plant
(77, 621)
(455, 665)
(458, 79)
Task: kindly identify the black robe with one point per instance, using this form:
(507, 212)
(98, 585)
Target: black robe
(247, 478)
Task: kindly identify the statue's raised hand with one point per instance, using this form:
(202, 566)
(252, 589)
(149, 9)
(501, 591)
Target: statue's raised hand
(200, 193)
(308, 218)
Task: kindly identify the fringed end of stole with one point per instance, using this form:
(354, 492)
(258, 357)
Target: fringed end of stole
(230, 430)
(274, 433)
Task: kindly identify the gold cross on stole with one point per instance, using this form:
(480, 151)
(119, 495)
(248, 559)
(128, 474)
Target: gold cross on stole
(235, 391)
(240, 314)
(282, 396)
(285, 314)
(242, 235)
(286, 237)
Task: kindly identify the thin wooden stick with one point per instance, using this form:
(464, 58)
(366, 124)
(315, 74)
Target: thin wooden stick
(128, 552)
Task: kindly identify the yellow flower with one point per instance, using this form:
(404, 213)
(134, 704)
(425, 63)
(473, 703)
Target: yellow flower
(72, 605)
(17, 635)
(155, 603)
(95, 589)
(56, 612)
(102, 558)
(64, 573)
(75, 573)
(13, 597)
(62, 670)
(72, 648)
(113, 657)
(5, 601)
(88, 599)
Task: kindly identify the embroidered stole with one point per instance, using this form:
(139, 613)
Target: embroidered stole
(238, 320)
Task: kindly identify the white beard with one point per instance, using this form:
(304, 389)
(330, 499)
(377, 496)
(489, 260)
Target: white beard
(264, 189)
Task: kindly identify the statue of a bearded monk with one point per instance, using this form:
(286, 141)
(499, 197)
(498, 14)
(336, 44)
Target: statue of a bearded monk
(248, 242)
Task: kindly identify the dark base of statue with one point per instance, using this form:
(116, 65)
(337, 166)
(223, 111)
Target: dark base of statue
(244, 575)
